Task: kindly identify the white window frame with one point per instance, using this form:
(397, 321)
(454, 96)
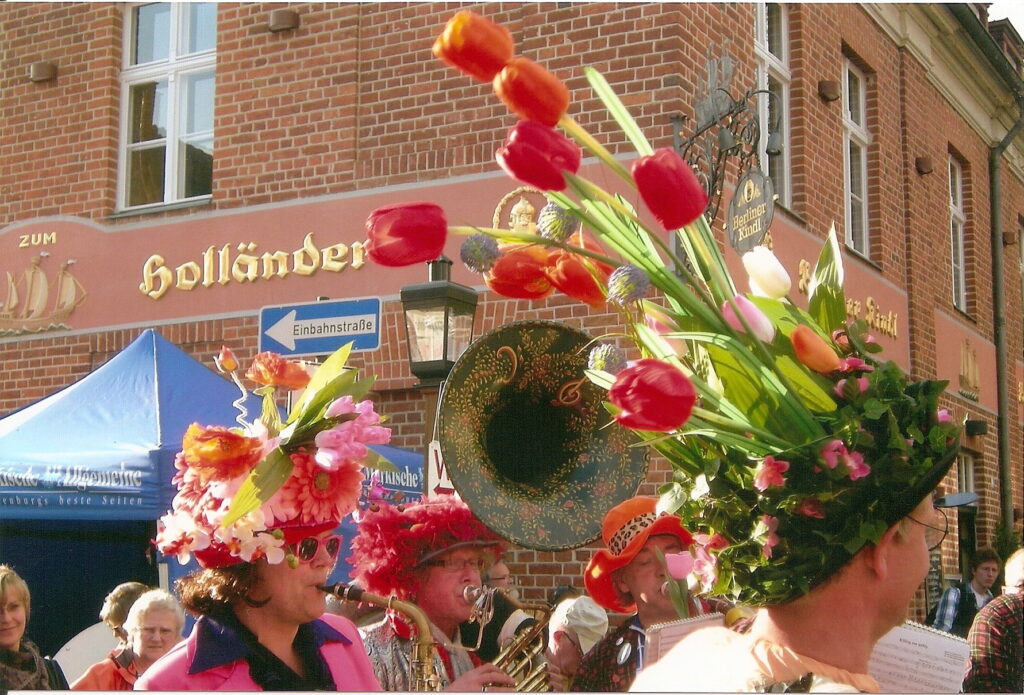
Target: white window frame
(173, 70)
(856, 135)
(965, 471)
(774, 66)
(957, 225)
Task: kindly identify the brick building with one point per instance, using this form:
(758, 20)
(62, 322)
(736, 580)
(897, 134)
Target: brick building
(164, 148)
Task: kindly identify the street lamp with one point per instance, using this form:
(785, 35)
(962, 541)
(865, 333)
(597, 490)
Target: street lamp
(438, 322)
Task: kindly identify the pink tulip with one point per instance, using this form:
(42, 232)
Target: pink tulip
(679, 565)
(762, 328)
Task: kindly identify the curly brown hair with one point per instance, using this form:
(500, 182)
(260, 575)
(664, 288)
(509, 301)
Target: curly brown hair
(213, 591)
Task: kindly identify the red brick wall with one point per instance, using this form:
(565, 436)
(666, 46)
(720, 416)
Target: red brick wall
(352, 100)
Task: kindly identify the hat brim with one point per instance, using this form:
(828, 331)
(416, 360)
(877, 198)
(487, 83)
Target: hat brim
(598, 576)
(461, 544)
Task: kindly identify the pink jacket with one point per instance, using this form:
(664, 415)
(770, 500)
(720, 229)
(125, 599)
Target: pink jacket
(346, 658)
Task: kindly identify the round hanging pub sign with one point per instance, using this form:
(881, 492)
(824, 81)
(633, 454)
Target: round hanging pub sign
(750, 210)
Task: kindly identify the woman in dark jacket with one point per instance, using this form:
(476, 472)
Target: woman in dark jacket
(22, 667)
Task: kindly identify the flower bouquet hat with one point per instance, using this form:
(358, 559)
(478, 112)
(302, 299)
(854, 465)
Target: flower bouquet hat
(394, 541)
(625, 530)
(252, 491)
(793, 442)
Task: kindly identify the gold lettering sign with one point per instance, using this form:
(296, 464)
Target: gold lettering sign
(885, 322)
(240, 264)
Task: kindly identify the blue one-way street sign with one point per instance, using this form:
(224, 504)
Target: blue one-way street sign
(319, 328)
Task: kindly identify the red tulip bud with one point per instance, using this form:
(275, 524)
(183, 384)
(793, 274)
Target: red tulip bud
(406, 233)
(226, 361)
(475, 45)
(669, 188)
(653, 396)
(531, 92)
(813, 351)
(537, 155)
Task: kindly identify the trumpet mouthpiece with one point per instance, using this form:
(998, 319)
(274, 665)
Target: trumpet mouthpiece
(664, 588)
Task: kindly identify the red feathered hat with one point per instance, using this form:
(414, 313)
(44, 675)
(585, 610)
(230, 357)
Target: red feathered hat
(625, 530)
(394, 541)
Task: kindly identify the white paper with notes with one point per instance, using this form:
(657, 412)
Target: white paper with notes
(913, 658)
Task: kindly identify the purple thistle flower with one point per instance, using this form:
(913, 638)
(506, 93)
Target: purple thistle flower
(626, 284)
(555, 223)
(608, 358)
(480, 252)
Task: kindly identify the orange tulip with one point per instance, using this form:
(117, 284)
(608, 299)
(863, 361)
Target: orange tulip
(475, 45)
(575, 276)
(531, 92)
(813, 351)
(270, 369)
(520, 272)
(226, 361)
(217, 453)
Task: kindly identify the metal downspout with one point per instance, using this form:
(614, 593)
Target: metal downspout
(984, 41)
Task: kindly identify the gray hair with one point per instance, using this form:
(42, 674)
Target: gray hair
(156, 599)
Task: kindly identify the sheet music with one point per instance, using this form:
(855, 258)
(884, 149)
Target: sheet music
(914, 658)
(663, 636)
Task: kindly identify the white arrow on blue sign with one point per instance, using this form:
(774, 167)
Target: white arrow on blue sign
(319, 328)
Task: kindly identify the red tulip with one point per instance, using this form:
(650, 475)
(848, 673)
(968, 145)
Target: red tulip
(475, 45)
(653, 396)
(406, 233)
(537, 155)
(520, 273)
(531, 92)
(270, 369)
(813, 351)
(669, 188)
(570, 275)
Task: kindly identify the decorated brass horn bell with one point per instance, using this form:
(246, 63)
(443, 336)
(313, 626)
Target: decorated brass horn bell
(527, 440)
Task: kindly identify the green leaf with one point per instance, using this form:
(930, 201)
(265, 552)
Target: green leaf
(266, 479)
(618, 111)
(809, 387)
(325, 374)
(827, 303)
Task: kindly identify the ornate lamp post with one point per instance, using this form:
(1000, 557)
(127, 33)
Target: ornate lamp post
(438, 322)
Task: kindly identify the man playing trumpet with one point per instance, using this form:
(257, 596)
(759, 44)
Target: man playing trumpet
(428, 553)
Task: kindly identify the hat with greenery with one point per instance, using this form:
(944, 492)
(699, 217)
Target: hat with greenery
(794, 444)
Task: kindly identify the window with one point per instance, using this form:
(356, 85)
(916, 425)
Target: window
(964, 472)
(957, 218)
(167, 89)
(771, 45)
(856, 139)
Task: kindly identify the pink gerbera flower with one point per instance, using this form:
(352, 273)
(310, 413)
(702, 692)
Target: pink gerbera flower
(318, 495)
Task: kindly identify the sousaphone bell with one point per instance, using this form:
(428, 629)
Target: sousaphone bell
(527, 440)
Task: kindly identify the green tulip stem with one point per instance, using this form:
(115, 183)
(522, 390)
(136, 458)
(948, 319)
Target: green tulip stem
(580, 135)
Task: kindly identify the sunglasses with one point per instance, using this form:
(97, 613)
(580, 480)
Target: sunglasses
(307, 548)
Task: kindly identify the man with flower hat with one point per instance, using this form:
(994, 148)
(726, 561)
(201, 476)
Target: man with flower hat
(429, 553)
(258, 507)
(628, 577)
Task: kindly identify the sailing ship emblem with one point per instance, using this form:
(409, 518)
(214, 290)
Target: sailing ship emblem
(24, 310)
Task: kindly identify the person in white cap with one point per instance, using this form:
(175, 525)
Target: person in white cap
(576, 625)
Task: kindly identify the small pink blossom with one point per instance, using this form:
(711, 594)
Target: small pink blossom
(856, 466)
(943, 415)
(840, 387)
(713, 542)
(832, 451)
(705, 567)
(854, 364)
(679, 565)
(771, 540)
(769, 472)
(811, 507)
(660, 322)
(342, 406)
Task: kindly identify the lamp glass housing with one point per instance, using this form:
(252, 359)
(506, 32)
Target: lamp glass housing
(439, 326)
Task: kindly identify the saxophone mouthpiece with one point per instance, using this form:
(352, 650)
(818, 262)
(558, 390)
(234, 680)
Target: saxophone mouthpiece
(341, 590)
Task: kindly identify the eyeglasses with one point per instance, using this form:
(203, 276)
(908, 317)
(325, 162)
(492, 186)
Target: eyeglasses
(934, 535)
(452, 564)
(307, 548)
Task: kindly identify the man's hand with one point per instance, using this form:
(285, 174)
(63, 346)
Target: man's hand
(483, 679)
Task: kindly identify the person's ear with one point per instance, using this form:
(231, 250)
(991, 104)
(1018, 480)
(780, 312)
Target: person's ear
(878, 557)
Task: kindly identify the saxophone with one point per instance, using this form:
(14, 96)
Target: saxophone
(424, 677)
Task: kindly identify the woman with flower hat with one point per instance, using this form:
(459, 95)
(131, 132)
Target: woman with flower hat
(429, 553)
(258, 507)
